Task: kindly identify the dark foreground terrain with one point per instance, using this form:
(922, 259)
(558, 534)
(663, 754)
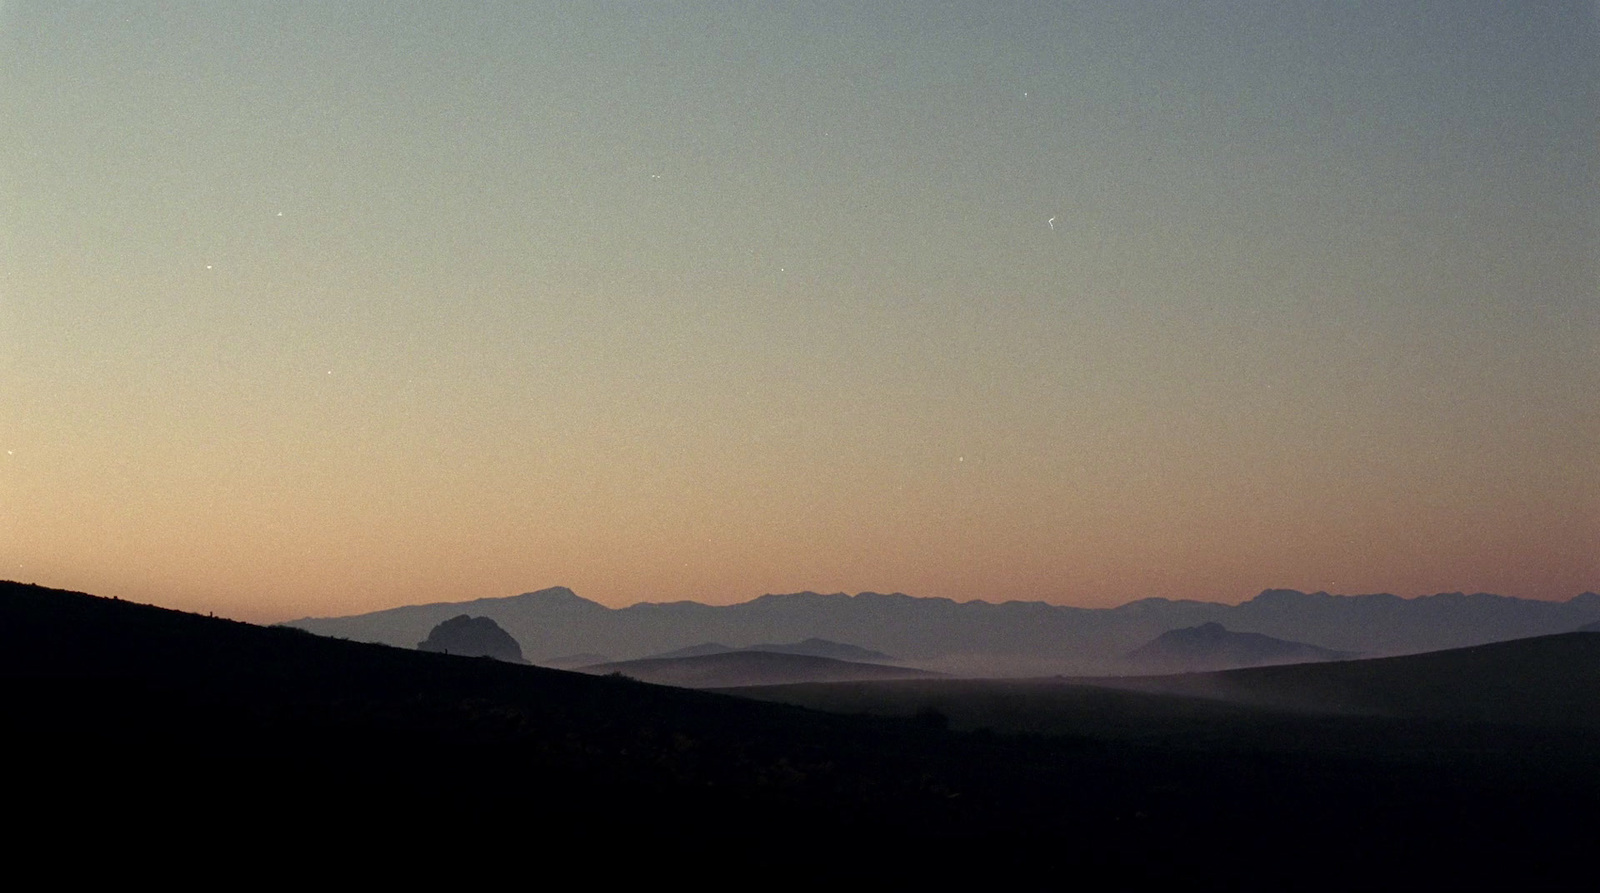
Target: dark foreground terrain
(139, 725)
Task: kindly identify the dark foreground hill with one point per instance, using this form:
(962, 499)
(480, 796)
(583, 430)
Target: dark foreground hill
(128, 724)
(1551, 681)
(753, 666)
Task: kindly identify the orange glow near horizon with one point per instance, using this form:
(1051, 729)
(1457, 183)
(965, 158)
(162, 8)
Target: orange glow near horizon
(305, 313)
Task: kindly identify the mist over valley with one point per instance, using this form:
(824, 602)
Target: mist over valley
(979, 638)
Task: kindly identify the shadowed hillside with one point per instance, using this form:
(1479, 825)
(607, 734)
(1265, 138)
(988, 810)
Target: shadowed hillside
(1546, 681)
(241, 732)
(1549, 683)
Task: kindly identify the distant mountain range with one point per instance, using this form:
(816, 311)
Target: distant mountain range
(976, 637)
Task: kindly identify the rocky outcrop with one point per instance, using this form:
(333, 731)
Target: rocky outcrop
(473, 637)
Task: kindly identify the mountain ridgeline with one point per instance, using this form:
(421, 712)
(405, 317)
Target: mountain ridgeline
(976, 637)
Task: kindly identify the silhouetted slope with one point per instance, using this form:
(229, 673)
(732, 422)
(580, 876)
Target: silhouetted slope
(701, 650)
(825, 648)
(750, 667)
(1211, 646)
(1546, 680)
(133, 723)
(472, 637)
(115, 705)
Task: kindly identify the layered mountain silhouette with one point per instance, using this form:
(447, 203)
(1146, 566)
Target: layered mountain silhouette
(573, 661)
(751, 666)
(472, 637)
(1211, 646)
(1544, 680)
(1457, 700)
(813, 647)
(977, 637)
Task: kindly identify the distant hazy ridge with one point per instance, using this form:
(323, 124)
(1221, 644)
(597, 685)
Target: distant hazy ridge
(980, 637)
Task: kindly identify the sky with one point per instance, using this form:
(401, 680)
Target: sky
(314, 309)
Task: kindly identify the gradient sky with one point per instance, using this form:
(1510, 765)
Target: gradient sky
(320, 308)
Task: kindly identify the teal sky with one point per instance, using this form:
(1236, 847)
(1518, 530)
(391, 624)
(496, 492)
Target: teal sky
(319, 308)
